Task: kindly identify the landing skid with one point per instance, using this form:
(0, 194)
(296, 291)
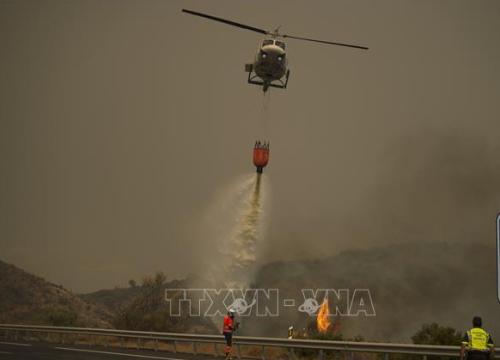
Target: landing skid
(254, 79)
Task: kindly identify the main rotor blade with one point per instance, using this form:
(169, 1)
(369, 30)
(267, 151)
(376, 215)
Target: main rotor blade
(325, 42)
(229, 22)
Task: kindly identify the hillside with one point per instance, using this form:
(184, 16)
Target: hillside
(143, 307)
(29, 299)
(410, 284)
(119, 297)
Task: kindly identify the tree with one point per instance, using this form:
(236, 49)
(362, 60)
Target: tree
(149, 311)
(434, 334)
(132, 283)
(61, 316)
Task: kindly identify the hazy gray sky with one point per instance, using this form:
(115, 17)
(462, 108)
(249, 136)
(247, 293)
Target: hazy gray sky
(121, 121)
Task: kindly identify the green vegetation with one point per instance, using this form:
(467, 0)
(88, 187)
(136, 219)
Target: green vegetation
(311, 332)
(61, 316)
(434, 334)
(148, 311)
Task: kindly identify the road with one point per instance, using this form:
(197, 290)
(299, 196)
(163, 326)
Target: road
(43, 351)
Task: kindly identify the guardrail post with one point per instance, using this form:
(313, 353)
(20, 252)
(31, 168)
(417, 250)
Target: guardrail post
(138, 343)
(194, 348)
(238, 351)
(386, 356)
(321, 354)
(424, 357)
(156, 344)
(122, 342)
(263, 353)
(175, 347)
(216, 352)
(291, 353)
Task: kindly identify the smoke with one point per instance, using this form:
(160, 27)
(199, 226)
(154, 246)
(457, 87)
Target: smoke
(423, 243)
(436, 187)
(233, 228)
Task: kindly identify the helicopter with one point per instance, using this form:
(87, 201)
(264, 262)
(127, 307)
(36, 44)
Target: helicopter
(269, 68)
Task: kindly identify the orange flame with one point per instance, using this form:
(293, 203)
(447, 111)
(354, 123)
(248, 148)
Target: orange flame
(323, 318)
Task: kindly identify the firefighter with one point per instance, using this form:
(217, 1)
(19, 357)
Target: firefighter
(227, 330)
(477, 343)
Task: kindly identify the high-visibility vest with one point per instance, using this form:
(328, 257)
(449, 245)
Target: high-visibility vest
(478, 339)
(228, 324)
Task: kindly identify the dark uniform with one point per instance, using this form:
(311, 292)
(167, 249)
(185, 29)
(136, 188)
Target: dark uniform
(478, 344)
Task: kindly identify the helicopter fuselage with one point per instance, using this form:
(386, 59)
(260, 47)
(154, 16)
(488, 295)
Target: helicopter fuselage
(270, 63)
(269, 67)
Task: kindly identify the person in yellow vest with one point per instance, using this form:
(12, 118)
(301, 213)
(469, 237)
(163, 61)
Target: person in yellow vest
(477, 343)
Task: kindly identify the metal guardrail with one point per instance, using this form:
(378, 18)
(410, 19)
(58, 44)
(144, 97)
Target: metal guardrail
(320, 345)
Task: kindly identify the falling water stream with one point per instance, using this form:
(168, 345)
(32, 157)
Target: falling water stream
(242, 254)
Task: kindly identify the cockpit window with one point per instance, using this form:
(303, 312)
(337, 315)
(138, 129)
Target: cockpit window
(281, 44)
(267, 42)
